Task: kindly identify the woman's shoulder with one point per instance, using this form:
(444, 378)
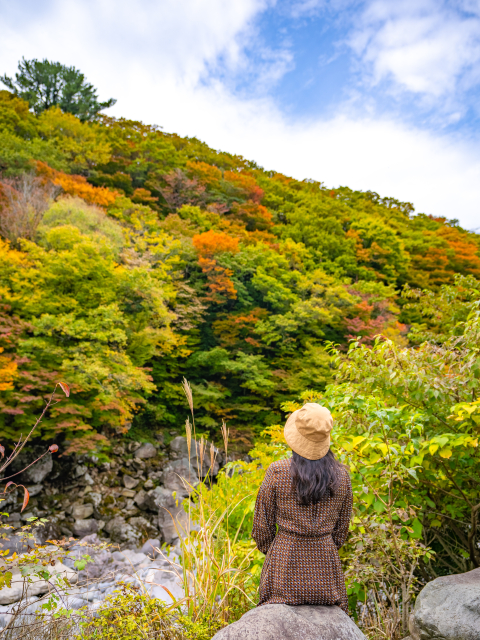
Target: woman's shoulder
(279, 466)
(344, 475)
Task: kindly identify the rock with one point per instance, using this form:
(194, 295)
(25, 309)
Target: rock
(150, 546)
(122, 532)
(82, 511)
(35, 489)
(37, 473)
(88, 479)
(180, 476)
(128, 555)
(143, 526)
(172, 519)
(448, 608)
(129, 482)
(14, 519)
(179, 449)
(148, 484)
(147, 450)
(150, 500)
(80, 470)
(37, 585)
(83, 528)
(142, 500)
(96, 498)
(16, 544)
(128, 493)
(305, 622)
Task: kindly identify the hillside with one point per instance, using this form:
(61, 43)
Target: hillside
(161, 258)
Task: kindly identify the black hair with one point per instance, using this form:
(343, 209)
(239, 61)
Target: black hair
(315, 480)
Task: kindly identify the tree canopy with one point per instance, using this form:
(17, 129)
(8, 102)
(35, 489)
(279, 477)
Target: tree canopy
(44, 84)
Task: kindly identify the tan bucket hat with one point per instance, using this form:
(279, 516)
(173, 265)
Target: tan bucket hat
(307, 431)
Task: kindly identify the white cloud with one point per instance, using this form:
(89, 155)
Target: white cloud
(439, 175)
(155, 58)
(428, 47)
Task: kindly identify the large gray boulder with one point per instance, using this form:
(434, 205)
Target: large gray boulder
(179, 449)
(172, 519)
(305, 622)
(37, 473)
(147, 450)
(180, 476)
(85, 527)
(448, 608)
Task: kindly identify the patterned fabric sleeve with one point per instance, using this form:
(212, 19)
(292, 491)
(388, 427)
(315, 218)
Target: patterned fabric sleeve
(264, 522)
(340, 531)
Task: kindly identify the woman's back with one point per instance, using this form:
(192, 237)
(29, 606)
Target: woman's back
(301, 541)
(317, 519)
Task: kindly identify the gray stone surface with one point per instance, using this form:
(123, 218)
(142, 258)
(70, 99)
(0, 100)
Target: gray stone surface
(172, 519)
(34, 489)
(37, 473)
(179, 449)
(180, 476)
(279, 621)
(142, 500)
(150, 546)
(82, 511)
(129, 482)
(122, 532)
(147, 450)
(448, 608)
(85, 527)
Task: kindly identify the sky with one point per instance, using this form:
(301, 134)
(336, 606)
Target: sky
(379, 95)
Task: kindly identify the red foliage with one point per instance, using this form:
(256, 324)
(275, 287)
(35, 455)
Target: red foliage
(180, 190)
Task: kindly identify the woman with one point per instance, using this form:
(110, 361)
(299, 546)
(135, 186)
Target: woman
(302, 515)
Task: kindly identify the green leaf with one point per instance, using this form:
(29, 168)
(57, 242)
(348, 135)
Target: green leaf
(379, 506)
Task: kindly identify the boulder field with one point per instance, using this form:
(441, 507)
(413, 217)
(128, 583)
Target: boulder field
(124, 501)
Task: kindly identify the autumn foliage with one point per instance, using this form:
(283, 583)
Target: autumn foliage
(144, 256)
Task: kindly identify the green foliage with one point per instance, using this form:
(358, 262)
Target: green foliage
(130, 615)
(91, 221)
(45, 84)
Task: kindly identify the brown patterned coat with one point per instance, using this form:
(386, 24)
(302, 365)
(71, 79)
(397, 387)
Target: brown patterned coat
(301, 542)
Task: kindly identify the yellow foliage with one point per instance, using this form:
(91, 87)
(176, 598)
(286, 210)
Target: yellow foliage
(85, 143)
(8, 369)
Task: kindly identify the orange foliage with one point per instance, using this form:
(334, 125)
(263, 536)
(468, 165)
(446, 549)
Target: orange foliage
(463, 253)
(439, 264)
(219, 284)
(143, 196)
(211, 243)
(245, 183)
(78, 186)
(432, 267)
(208, 245)
(207, 174)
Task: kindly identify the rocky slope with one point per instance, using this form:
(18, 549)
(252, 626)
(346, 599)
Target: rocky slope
(124, 500)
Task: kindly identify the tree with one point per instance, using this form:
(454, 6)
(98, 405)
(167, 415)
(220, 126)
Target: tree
(45, 84)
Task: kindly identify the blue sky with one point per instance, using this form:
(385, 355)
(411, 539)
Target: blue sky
(373, 94)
